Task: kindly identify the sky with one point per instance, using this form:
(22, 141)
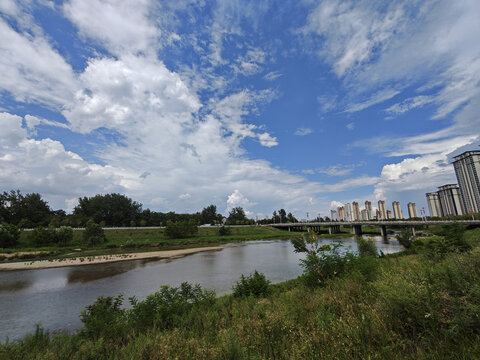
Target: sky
(265, 104)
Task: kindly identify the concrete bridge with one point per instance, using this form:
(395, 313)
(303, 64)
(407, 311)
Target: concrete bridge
(334, 226)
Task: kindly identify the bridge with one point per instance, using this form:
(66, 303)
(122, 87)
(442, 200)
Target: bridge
(334, 226)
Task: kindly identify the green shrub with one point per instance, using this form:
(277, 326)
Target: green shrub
(9, 235)
(404, 237)
(322, 262)
(63, 235)
(366, 247)
(181, 229)
(41, 236)
(254, 284)
(94, 233)
(224, 231)
(104, 318)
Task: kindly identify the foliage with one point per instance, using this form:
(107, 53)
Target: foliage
(322, 262)
(366, 247)
(255, 284)
(41, 236)
(93, 233)
(114, 209)
(181, 229)
(237, 216)
(224, 231)
(404, 237)
(24, 210)
(9, 235)
(209, 215)
(63, 235)
(106, 318)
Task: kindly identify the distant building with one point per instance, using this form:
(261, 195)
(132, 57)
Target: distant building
(356, 211)
(333, 215)
(467, 169)
(348, 212)
(434, 207)
(341, 213)
(397, 210)
(364, 215)
(450, 200)
(389, 214)
(368, 207)
(382, 210)
(412, 210)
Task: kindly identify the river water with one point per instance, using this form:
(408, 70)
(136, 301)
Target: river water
(54, 297)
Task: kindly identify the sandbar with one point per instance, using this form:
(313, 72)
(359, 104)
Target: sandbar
(101, 259)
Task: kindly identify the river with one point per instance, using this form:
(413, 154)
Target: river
(54, 297)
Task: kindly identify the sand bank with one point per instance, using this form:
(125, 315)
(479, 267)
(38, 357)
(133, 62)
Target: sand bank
(100, 259)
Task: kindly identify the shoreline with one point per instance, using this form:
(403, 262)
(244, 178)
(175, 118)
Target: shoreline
(102, 259)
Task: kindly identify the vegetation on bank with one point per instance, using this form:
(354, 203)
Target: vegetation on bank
(409, 306)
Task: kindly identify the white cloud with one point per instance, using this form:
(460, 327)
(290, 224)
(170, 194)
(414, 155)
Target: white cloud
(377, 98)
(119, 25)
(350, 126)
(350, 184)
(185, 196)
(409, 104)
(272, 75)
(335, 204)
(337, 170)
(303, 131)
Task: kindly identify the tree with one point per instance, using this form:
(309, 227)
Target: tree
(27, 211)
(237, 216)
(181, 229)
(94, 233)
(209, 215)
(9, 235)
(114, 209)
(63, 235)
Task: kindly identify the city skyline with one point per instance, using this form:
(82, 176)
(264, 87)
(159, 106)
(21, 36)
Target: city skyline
(180, 104)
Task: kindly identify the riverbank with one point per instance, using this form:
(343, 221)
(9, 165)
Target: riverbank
(91, 260)
(407, 306)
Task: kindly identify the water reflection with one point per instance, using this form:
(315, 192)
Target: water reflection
(83, 274)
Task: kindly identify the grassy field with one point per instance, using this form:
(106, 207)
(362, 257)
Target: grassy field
(408, 306)
(134, 240)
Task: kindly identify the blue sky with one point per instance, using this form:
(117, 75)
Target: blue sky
(302, 105)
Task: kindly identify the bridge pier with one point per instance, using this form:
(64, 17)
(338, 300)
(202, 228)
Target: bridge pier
(357, 230)
(333, 229)
(383, 231)
(413, 231)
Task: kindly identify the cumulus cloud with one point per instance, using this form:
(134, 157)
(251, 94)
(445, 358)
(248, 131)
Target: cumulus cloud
(335, 204)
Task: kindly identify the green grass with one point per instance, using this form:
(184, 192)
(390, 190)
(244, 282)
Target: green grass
(134, 240)
(412, 308)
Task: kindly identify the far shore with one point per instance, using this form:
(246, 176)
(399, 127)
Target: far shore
(101, 259)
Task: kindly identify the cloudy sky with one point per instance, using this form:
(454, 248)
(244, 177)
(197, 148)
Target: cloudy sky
(261, 104)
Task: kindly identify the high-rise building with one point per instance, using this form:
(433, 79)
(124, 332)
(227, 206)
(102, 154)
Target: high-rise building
(382, 210)
(397, 210)
(364, 215)
(450, 200)
(356, 211)
(348, 212)
(412, 210)
(389, 214)
(333, 215)
(434, 207)
(368, 207)
(467, 169)
(341, 213)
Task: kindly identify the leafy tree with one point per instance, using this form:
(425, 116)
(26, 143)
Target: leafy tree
(237, 216)
(366, 247)
(224, 231)
(209, 215)
(9, 235)
(181, 229)
(404, 237)
(114, 209)
(25, 210)
(41, 236)
(93, 233)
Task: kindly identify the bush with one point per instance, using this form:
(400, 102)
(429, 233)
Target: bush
(366, 247)
(322, 261)
(104, 318)
(181, 229)
(255, 284)
(404, 237)
(94, 233)
(224, 231)
(9, 235)
(41, 236)
(63, 235)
